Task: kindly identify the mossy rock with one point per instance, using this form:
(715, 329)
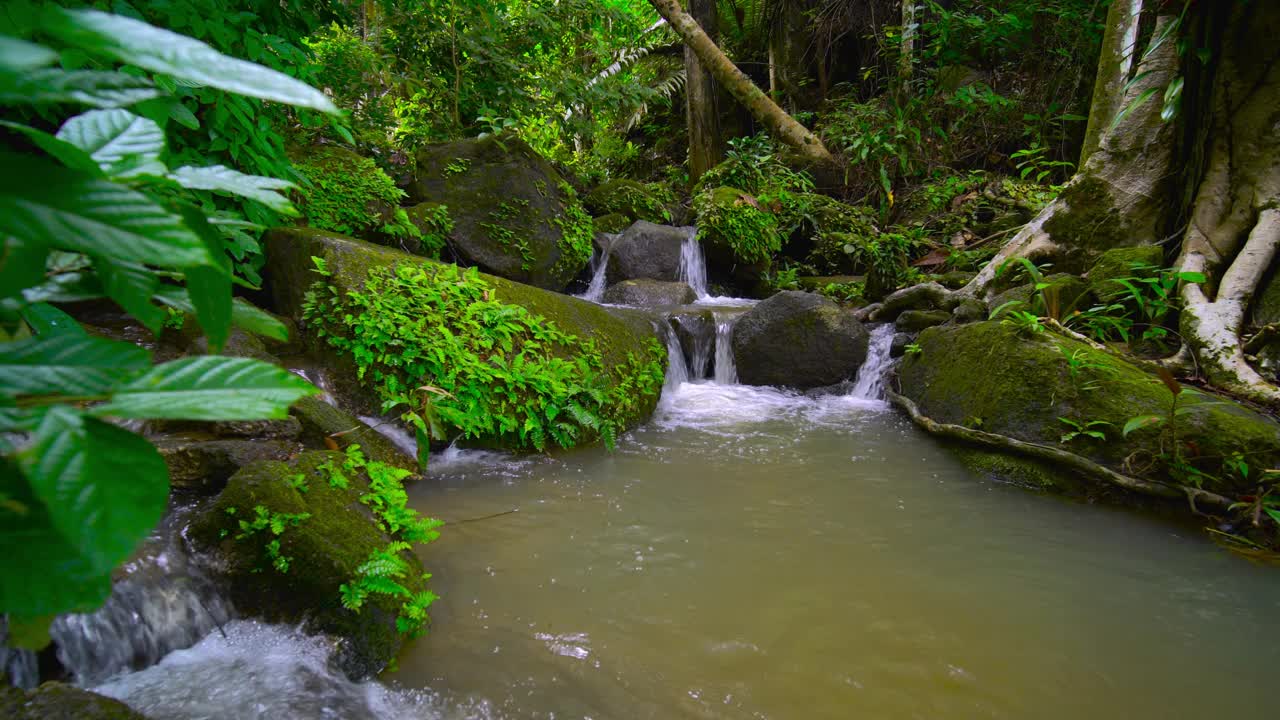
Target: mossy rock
(1119, 263)
(628, 198)
(798, 339)
(324, 551)
(1064, 293)
(612, 223)
(987, 376)
(1015, 470)
(917, 320)
(735, 229)
(647, 250)
(514, 216)
(434, 226)
(56, 701)
(346, 192)
(650, 293)
(320, 421)
(618, 336)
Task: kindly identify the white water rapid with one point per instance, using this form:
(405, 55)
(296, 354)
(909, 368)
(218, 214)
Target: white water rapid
(869, 384)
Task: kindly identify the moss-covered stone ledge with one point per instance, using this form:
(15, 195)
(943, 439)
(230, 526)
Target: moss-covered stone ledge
(1036, 389)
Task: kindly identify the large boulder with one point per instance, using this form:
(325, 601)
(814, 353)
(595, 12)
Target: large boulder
(628, 198)
(326, 533)
(987, 376)
(620, 342)
(646, 250)
(513, 215)
(649, 293)
(57, 701)
(798, 339)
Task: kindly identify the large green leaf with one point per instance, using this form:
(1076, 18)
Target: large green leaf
(68, 364)
(46, 321)
(17, 55)
(137, 43)
(104, 487)
(119, 141)
(23, 266)
(43, 204)
(225, 180)
(209, 388)
(209, 286)
(132, 287)
(43, 574)
(243, 315)
(66, 153)
(94, 88)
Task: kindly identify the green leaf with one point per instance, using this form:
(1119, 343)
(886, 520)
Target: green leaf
(210, 292)
(104, 487)
(64, 152)
(1139, 422)
(225, 180)
(132, 286)
(47, 320)
(1273, 514)
(119, 141)
(137, 43)
(244, 315)
(94, 88)
(44, 204)
(20, 55)
(209, 388)
(68, 365)
(23, 266)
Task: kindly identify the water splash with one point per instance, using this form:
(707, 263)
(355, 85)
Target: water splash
(390, 429)
(726, 369)
(599, 266)
(20, 666)
(677, 373)
(869, 384)
(693, 266)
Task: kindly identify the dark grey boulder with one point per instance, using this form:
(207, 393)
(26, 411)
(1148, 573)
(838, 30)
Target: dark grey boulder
(646, 250)
(644, 292)
(798, 339)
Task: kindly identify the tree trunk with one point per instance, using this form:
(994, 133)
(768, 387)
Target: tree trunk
(1234, 230)
(782, 126)
(907, 51)
(1119, 43)
(702, 110)
(1125, 195)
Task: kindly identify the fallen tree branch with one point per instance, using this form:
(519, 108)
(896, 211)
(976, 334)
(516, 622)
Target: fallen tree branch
(1054, 455)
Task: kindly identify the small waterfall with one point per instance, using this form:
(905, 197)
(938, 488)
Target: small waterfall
(696, 332)
(700, 357)
(599, 264)
(869, 384)
(391, 429)
(726, 370)
(19, 667)
(677, 373)
(163, 604)
(693, 266)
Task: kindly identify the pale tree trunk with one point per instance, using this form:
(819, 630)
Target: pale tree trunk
(1123, 196)
(907, 52)
(701, 106)
(1119, 43)
(1234, 231)
(780, 125)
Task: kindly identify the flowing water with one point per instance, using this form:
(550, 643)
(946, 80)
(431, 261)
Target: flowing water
(752, 553)
(693, 267)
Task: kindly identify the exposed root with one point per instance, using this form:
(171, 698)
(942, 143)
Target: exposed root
(1059, 457)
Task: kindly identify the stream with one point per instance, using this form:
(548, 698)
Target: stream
(755, 553)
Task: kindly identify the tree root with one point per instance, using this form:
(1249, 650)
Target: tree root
(1057, 456)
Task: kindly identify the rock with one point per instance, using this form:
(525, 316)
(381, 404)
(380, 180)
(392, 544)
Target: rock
(287, 429)
(970, 310)
(798, 339)
(955, 279)
(56, 701)
(898, 346)
(646, 250)
(320, 422)
(204, 465)
(513, 215)
(735, 230)
(348, 193)
(434, 226)
(628, 198)
(650, 293)
(1118, 263)
(1064, 294)
(621, 339)
(917, 320)
(986, 375)
(239, 344)
(323, 552)
(613, 223)
(1026, 472)
(925, 296)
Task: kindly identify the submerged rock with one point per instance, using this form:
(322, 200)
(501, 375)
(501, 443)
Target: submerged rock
(322, 552)
(987, 376)
(798, 339)
(649, 293)
(646, 250)
(513, 214)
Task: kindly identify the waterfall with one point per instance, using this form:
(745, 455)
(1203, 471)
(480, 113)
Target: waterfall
(693, 267)
(870, 381)
(726, 370)
(163, 604)
(19, 667)
(599, 264)
(677, 373)
(700, 356)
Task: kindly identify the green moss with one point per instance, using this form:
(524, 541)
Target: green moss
(1118, 263)
(1016, 470)
(629, 198)
(614, 223)
(1090, 222)
(576, 232)
(728, 217)
(347, 193)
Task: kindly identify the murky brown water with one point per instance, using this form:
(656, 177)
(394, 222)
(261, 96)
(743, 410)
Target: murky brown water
(756, 555)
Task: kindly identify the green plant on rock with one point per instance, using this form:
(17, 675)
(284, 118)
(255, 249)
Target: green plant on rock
(384, 573)
(435, 341)
(98, 210)
(350, 194)
(850, 292)
(735, 219)
(274, 523)
(576, 233)
(1086, 429)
